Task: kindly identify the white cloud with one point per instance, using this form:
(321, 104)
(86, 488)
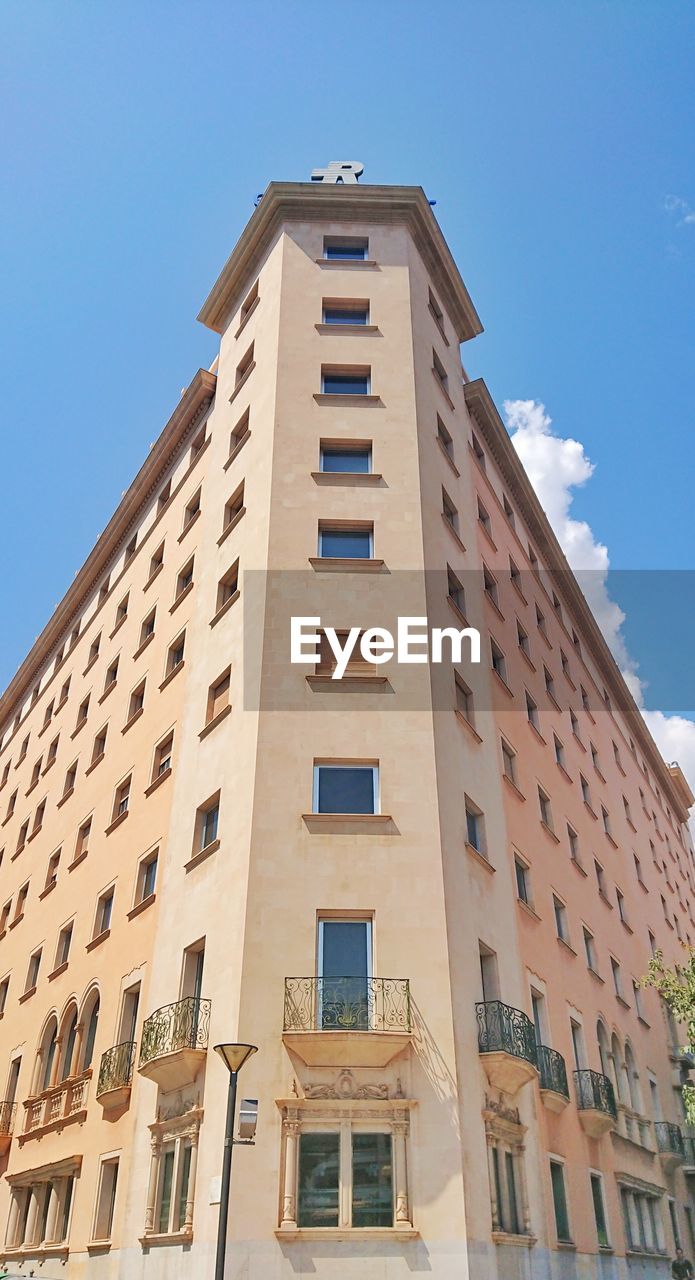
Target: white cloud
(556, 467)
(679, 206)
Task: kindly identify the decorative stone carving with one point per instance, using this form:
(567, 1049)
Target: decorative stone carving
(345, 1086)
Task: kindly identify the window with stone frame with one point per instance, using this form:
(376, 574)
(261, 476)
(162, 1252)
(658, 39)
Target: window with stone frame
(504, 1134)
(171, 1185)
(40, 1205)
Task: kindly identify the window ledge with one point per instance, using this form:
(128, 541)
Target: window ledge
(154, 574)
(518, 590)
(578, 867)
(174, 672)
(489, 536)
(98, 1246)
(65, 796)
(537, 732)
(564, 772)
(17, 920)
(212, 724)
(509, 1237)
(27, 995)
(349, 263)
(354, 330)
(136, 716)
(448, 457)
(31, 787)
(94, 764)
(526, 906)
(173, 1237)
(621, 1000)
(549, 832)
(232, 525)
(96, 942)
(578, 741)
(502, 682)
(357, 479)
(181, 597)
(627, 926)
(443, 390)
(141, 906)
(553, 699)
(225, 608)
(45, 892)
(591, 811)
(201, 855)
(248, 315)
(34, 833)
(116, 822)
(57, 971)
(480, 858)
(242, 381)
(611, 839)
(157, 782)
(237, 448)
(339, 564)
(567, 946)
(342, 398)
(304, 1234)
(349, 823)
(20, 849)
(109, 689)
(141, 647)
(529, 661)
(466, 722)
(596, 976)
(453, 532)
(598, 773)
(513, 787)
(76, 861)
(493, 604)
(196, 515)
(567, 1246)
(48, 766)
(607, 901)
(118, 625)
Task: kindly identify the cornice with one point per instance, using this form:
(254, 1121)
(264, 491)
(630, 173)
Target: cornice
(195, 400)
(316, 202)
(493, 431)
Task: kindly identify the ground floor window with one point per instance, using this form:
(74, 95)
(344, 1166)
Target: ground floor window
(40, 1209)
(171, 1190)
(506, 1173)
(644, 1230)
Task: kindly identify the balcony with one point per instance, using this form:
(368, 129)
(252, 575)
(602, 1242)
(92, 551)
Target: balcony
(174, 1043)
(357, 1022)
(116, 1075)
(669, 1144)
(507, 1045)
(52, 1110)
(8, 1110)
(555, 1091)
(595, 1102)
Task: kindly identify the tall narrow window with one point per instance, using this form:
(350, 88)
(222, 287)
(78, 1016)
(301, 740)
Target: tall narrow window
(557, 1179)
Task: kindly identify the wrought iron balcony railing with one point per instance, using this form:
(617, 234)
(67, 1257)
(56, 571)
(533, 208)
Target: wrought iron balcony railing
(502, 1029)
(595, 1092)
(183, 1025)
(551, 1065)
(8, 1110)
(347, 1004)
(669, 1138)
(116, 1067)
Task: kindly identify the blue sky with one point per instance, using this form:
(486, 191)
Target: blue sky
(136, 136)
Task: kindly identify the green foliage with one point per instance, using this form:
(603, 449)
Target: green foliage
(677, 987)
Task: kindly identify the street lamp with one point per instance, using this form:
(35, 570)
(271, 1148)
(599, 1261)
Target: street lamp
(234, 1056)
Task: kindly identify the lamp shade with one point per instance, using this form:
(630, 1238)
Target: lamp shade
(234, 1055)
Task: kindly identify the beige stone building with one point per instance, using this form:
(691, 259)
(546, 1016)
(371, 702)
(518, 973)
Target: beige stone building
(426, 892)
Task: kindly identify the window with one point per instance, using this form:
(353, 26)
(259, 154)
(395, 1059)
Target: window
(621, 906)
(355, 250)
(643, 1226)
(557, 1181)
(509, 762)
(322, 1167)
(207, 821)
(560, 913)
(33, 971)
(234, 508)
(616, 757)
(638, 869)
(435, 311)
(4, 988)
(147, 877)
(22, 836)
(464, 698)
(82, 842)
(490, 587)
(122, 610)
(103, 591)
(475, 827)
(356, 665)
(346, 543)
(605, 819)
(228, 586)
(545, 809)
(218, 696)
(449, 512)
(589, 949)
(102, 921)
(559, 751)
(23, 751)
(64, 942)
(346, 788)
(600, 878)
(440, 372)
(184, 579)
(557, 606)
(191, 510)
(175, 654)
(584, 697)
(599, 1210)
(585, 789)
(444, 438)
(52, 871)
(508, 509)
(345, 311)
(99, 748)
(514, 574)
(478, 452)
(11, 805)
(198, 443)
(240, 434)
(131, 548)
(499, 665)
(564, 662)
(4, 917)
(506, 1178)
(248, 304)
(540, 622)
(5, 773)
(121, 799)
(637, 997)
(162, 757)
(521, 872)
(617, 978)
(244, 366)
(532, 711)
(38, 817)
(156, 562)
(455, 590)
(70, 778)
(573, 841)
(106, 1199)
(83, 712)
(345, 381)
(147, 627)
(347, 458)
(93, 652)
(549, 684)
(111, 676)
(484, 519)
(137, 701)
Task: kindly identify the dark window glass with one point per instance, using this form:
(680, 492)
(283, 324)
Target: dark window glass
(345, 384)
(319, 1165)
(346, 544)
(344, 984)
(557, 1178)
(345, 790)
(339, 315)
(350, 251)
(599, 1211)
(165, 1202)
(346, 460)
(514, 1224)
(372, 1180)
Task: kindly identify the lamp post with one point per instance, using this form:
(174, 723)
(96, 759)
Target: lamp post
(234, 1056)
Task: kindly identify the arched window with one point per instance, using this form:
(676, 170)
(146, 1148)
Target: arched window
(619, 1073)
(90, 1035)
(636, 1100)
(603, 1050)
(67, 1066)
(47, 1053)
